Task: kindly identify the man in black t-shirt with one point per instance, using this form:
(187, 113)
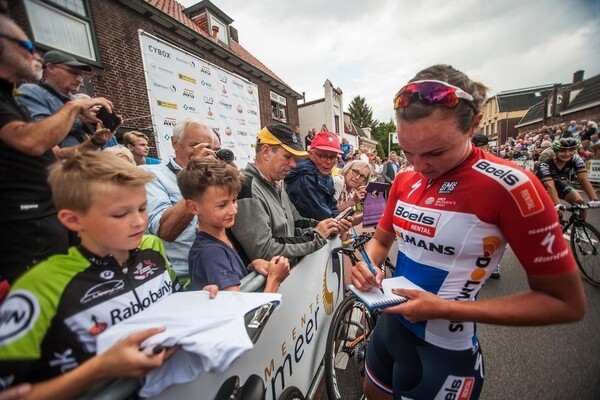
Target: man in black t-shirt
(29, 229)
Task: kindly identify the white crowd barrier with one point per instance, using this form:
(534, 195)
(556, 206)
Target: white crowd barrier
(290, 349)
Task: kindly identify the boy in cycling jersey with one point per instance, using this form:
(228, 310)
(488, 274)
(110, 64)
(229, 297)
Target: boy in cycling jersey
(210, 188)
(555, 174)
(52, 315)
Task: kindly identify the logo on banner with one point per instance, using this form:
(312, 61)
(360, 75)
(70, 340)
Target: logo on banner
(161, 69)
(206, 84)
(160, 52)
(251, 112)
(205, 70)
(242, 133)
(225, 105)
(189, 108)
(188, 93)
(237, 84)
(167, 104)
(223, 78)
(161, 86)
(181, 60)
(187, 78)
(228, 131)
(239, 109)
(208, 100)
(210, 113)
(169, 121)
(250, 90)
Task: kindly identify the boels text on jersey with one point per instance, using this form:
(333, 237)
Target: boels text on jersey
(506, 175)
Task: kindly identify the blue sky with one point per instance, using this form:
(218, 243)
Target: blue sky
(373, 48)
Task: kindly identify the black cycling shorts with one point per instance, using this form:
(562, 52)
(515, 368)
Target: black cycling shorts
(405, 366)
(562, 188)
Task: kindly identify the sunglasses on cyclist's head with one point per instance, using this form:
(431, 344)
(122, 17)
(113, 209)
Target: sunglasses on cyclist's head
(432, 92)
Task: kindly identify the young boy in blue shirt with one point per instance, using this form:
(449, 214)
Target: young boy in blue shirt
(210, 188)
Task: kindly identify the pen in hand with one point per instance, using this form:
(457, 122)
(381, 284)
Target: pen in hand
(367, 261)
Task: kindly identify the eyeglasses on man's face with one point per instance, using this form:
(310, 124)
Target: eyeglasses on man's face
(325, 156)
(357, 174)
(72, 72)
(26, 44)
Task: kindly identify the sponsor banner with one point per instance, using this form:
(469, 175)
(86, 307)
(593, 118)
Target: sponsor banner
(292, 344)
(181, 85)
(594, 171)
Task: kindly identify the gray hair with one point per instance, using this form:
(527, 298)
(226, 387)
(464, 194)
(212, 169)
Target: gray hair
(357, 164)
(179, 129)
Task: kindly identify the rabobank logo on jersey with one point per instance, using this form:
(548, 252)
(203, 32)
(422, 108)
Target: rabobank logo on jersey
(516, 182)
(423, 222)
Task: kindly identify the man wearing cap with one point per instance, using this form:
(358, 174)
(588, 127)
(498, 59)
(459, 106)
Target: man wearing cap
(63, 78)
(310, 184)
(267, 223)
(29, 228)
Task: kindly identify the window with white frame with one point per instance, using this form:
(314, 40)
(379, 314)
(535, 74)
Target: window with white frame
(278, 107)
(63, 25)
(223, 36)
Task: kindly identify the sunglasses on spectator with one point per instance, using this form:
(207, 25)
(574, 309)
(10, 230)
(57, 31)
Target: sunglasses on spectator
(26, 44)
(72, 72)
(432, 92)
(326, 157)
(357, 174)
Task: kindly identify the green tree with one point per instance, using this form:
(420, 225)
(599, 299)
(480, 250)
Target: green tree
(381, 132)
(361, 113)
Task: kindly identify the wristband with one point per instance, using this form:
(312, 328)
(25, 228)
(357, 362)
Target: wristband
(96, 143)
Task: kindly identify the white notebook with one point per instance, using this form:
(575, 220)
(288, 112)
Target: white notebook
(375, 299)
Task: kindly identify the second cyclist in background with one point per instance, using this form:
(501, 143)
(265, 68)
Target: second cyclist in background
(556, 172)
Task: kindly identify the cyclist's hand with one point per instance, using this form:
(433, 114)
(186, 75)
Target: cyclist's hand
(421, 305)
(593, 203)
(327, 227)
(363, 279)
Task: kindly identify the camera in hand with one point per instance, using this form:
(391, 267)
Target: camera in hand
(109, 120)
(225, 155)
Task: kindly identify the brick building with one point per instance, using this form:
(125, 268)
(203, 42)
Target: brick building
(104, 34)
(577, 101)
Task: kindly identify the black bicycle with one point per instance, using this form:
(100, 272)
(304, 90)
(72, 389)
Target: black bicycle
(585, 243)
(351, 327)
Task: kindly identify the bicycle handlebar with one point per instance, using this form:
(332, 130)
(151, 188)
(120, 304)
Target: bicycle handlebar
(577, 206)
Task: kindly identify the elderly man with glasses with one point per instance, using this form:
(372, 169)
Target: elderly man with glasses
(310, 184)
(63, 77)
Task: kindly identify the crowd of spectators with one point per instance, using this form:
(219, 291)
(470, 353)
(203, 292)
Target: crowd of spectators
(530, 145)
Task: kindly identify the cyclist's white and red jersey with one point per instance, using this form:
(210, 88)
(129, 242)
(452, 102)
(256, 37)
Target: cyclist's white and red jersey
(452, 231)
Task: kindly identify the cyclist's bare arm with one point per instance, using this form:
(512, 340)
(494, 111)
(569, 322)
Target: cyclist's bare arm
(551, 299)
(585, 183)
(552, 192)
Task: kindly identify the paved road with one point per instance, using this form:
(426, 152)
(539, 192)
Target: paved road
(554, 362)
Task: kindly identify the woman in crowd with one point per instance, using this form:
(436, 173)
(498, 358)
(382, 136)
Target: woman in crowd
(350, 186)
(452, 214)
